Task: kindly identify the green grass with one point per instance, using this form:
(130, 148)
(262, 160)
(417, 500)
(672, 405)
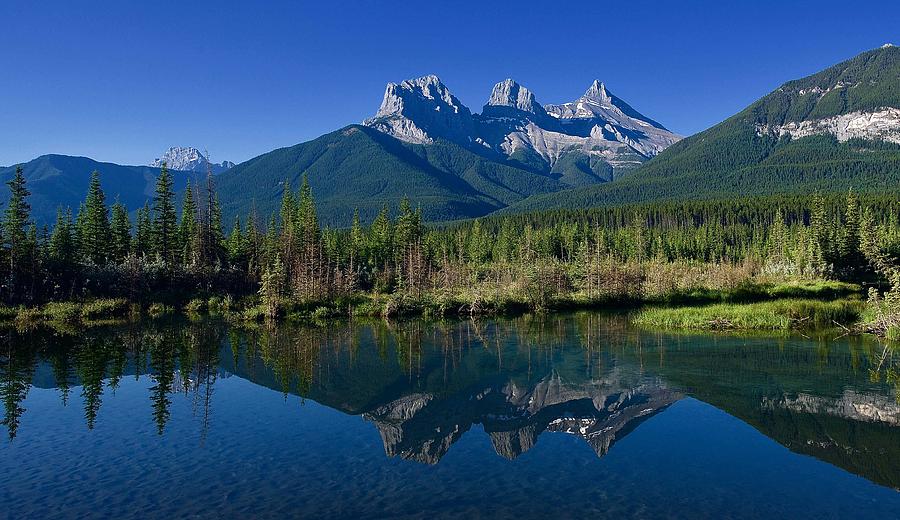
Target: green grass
(826, 289)
(783, 314)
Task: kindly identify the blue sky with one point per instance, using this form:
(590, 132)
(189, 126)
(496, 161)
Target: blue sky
(122, 81)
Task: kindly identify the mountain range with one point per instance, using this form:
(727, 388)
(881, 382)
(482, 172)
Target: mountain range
(833, 130)
(425, 144)
(830, 131)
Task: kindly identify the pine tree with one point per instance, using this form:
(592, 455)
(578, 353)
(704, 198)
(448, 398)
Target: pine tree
(307, 219)
(272, 288)
(62, 241)
(15, 235)
(288, 216)
(381, 237)
(255, 243)
(142, 245)
(479, 247)
(357, 239)
(818, 235)
(638, 232)
(236, 245)
(187, 228)
(121, 233)
(95, 230)
(165, 221)
(216, 234)
(851, 256)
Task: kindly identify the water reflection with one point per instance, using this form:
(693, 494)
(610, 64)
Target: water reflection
(423, 385)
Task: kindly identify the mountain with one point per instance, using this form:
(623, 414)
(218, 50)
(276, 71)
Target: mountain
(189, 159)
(833, 130)
(361, 167)
(421, 110)
(62, 181)
(589, 140)
(424, 143)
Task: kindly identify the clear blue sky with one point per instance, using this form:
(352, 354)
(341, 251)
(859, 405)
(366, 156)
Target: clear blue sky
(122, 81)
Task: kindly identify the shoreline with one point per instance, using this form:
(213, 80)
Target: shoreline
(792, 306)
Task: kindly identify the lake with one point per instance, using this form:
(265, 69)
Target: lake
(573, 415)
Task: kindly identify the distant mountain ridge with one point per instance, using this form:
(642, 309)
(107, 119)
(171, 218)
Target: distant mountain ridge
(60, 181)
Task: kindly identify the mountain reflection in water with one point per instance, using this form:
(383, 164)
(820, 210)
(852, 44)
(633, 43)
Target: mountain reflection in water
(423, 385)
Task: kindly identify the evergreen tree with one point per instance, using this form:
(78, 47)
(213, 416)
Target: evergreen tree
(142, 245)
(121, 233)
(236, 245)
(357, 239)
(851, 257)
(272, 288)
(216, 234)
(15, 235)
(165, 221)
(381, 237)
(307, 220)
(289, 233)
(95, 230)
(406, 230)
(62, 248)
(187, 228)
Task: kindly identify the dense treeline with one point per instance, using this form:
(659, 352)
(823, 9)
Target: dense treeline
(630, 252)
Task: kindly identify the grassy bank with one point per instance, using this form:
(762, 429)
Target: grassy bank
(783, 314)
(744, 305)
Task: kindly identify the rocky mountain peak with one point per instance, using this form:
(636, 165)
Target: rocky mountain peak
(427, 90)
(508, 93)
(420, 110)
(598, 125)
(597, 92)
(189, 159)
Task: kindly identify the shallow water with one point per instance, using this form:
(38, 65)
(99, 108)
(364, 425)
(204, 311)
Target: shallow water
(570, 416)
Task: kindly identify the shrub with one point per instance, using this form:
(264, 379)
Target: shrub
(64, 312)
(195, 306)
(105, 308)
(157, 310)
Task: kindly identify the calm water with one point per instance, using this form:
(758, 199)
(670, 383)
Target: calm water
(569, 416)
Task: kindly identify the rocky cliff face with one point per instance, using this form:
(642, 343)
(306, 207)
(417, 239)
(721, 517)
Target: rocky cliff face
(587, 140)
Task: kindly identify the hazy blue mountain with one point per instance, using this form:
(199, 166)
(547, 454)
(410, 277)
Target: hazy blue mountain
(61, 180)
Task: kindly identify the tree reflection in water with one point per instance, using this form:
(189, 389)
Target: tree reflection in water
(424, 384)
